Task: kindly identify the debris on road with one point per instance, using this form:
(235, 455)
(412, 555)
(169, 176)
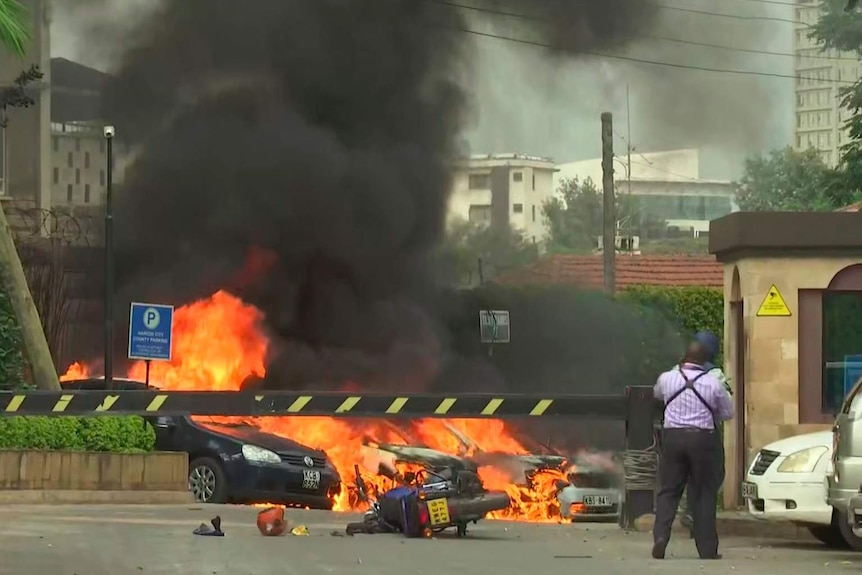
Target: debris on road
(299, 530)
(211, 530)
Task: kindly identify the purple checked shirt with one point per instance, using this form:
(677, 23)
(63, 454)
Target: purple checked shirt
(687, 410)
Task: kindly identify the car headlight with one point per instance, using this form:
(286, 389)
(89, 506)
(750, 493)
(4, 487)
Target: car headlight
(259, 454)
(803, 461)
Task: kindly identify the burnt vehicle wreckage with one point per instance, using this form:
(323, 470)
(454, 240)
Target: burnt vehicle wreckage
(586, 486)
(428, 501)
(637, 408)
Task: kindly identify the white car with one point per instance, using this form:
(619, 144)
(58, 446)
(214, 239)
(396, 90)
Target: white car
(787, 482)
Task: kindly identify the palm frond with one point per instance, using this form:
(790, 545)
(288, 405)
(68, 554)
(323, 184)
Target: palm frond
(14, 26)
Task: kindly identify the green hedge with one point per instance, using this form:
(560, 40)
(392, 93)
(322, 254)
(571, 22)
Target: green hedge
(11, 348)
(115, 434)
(691, 309)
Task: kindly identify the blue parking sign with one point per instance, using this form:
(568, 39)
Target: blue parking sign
(150, 331)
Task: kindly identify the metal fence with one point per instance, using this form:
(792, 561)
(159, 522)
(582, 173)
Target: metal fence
(637, 408)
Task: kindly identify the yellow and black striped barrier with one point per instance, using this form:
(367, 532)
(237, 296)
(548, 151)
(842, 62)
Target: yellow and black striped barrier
(279, 403)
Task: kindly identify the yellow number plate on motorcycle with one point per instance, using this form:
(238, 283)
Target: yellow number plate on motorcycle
(438, 510)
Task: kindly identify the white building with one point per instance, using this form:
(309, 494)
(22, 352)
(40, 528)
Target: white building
(79, 161)
(503, 189)
(819, 119)
(666, 190)
(25, 152)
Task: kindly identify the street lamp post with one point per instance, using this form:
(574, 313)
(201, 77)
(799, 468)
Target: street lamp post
(109, 262)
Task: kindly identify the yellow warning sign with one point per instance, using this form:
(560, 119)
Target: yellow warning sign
(773, 304)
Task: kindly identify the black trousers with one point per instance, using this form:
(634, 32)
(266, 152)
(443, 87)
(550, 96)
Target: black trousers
(693, 457)
(689, 501)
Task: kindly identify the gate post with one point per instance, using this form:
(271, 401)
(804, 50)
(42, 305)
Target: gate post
(640, 463)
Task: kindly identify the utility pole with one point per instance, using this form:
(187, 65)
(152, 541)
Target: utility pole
(609, 217)
(109, 262)
(629, 170)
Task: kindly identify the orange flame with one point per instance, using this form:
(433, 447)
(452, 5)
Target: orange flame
(219, 343)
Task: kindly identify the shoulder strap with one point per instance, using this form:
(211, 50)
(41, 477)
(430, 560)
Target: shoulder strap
(689, 385)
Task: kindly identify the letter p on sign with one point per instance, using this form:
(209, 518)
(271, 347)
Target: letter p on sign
(151, 318)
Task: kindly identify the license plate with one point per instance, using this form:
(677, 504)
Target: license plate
(438, 512)
(597, 501)
(749, 490)
(310, 479)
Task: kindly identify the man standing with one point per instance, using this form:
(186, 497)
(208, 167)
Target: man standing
(695, 402)
(710, 343)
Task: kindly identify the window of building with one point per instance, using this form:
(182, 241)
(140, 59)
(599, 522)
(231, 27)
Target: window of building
(534, 213)
(517, 176)
(518, 208)
(86, 159)
(101, 177)
(77, 175)
(534, 180)
(69, 159)
(480, 182)
(479, 214)
(69, 193)
(842, 314)
(55, 143)
(56, 175)
(77, 144)
(86, 193)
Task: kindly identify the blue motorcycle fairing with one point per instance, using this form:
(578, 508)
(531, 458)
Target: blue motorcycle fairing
(399, 492)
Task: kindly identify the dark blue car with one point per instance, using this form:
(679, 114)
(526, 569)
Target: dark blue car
(239, 463)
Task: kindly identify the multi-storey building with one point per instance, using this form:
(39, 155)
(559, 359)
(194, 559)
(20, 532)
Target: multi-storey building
(820, 117)
(504, 190)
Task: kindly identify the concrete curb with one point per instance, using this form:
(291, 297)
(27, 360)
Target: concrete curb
(739, 525)
(73, 496)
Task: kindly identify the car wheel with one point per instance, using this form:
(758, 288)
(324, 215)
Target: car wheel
(847, 534)
(829, 535)
(207, 481)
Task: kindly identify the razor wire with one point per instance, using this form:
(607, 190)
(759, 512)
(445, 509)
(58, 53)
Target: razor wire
(73, 228)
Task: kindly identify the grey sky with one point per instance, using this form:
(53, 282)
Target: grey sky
(527, 101)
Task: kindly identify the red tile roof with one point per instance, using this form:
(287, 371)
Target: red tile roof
(631, 270)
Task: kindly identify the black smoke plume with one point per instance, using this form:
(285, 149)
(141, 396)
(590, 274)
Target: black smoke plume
(318, 133)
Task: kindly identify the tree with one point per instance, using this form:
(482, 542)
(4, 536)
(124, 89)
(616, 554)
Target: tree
(575, 215)
(14, 26)
(840, 28)
(472, 250)
(787, 180)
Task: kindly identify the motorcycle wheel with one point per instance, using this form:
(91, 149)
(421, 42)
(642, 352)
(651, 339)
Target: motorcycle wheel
(360, 527)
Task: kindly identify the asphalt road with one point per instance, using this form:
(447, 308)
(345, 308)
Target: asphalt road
(115, 540)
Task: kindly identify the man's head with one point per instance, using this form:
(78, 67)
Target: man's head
(703, 348)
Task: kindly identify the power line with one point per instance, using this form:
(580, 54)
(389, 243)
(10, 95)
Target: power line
(650, 37)
(748, 50)
(724, 15)
(776, 2)
(655, 62)
(656, 5)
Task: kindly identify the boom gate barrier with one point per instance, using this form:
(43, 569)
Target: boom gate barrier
(637, 408)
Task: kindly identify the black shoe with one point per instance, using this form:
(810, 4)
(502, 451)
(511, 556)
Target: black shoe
(711, 557)
(658, 549)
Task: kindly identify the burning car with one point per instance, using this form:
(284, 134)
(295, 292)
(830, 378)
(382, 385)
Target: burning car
(585, 487)
(235, 462)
